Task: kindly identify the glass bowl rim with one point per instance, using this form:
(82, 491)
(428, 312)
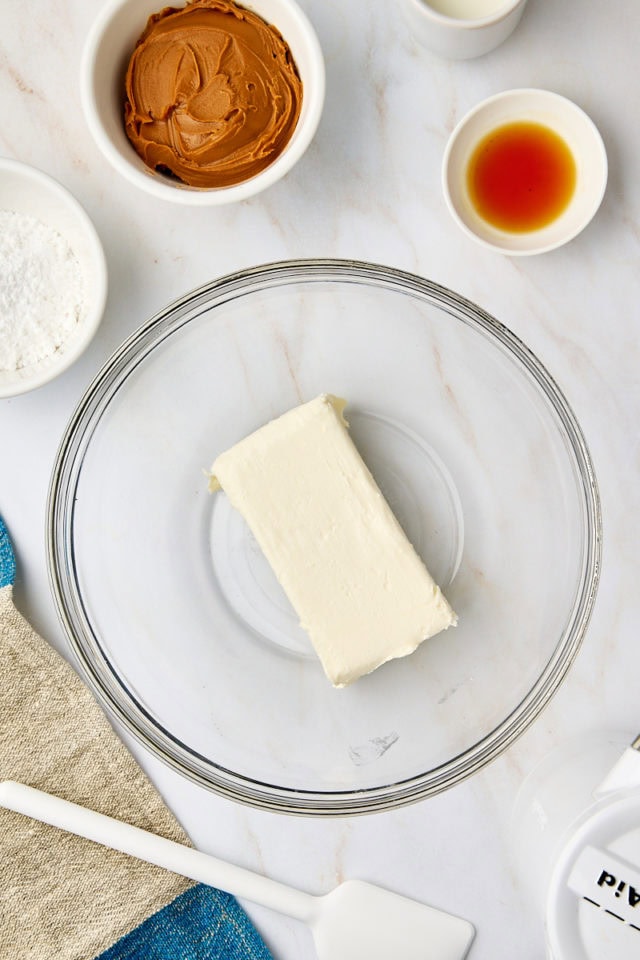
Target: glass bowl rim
(110, 690)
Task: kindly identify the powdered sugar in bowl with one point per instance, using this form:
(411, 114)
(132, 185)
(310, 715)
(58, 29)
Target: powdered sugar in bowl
(53, 278)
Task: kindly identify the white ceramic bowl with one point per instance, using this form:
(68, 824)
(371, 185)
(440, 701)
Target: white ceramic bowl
(28, 191)
(104, 64)
(463, 38)
(564, 118)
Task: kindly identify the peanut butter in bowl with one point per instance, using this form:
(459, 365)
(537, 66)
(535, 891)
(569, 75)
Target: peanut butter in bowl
(213, 94)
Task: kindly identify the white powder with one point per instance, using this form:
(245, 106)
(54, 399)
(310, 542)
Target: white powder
(42, 291)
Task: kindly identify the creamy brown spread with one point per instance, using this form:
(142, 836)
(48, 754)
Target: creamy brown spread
(212, 93)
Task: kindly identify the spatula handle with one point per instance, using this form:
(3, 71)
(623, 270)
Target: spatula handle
(156, 850)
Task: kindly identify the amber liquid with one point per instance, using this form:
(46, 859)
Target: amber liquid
(521, 177)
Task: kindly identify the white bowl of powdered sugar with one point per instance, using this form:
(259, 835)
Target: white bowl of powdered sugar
(53, 278)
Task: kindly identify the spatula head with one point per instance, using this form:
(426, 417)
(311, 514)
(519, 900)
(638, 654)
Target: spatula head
(359, 921)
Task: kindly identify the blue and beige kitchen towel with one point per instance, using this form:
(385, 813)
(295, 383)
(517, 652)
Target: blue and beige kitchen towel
(62, 897)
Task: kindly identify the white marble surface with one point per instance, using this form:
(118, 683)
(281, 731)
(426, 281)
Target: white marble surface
(368, 188)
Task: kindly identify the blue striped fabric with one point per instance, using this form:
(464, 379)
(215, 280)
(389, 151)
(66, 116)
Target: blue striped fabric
(7, 559)
(200, 924)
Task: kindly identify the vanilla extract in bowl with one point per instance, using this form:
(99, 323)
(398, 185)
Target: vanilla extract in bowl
(521, 176)
(524, 171)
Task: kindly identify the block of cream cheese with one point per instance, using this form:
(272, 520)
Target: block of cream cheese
(361, 591)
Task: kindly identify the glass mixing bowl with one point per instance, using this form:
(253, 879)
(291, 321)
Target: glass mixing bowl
(178, 623)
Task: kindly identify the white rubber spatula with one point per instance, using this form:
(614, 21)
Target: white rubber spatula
(355, 921)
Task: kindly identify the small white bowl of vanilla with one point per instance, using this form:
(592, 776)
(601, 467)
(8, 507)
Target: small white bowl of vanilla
(524, 172)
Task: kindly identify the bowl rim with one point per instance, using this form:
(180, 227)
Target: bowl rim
(532, 95)
(508, 7)
(95, 310)
(108, 687)
(164, 189)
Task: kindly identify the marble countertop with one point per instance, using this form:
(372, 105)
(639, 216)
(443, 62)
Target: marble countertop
(369, 188)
